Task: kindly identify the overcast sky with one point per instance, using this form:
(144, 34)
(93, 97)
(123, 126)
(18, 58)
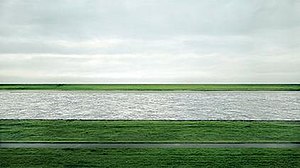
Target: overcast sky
(149, 41)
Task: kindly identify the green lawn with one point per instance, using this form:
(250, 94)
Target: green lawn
(150, 131)
(150, 158)
(155, 87)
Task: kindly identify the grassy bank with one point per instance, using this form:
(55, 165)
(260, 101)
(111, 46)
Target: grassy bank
(155, 87)
(149, 131)
(149, 158)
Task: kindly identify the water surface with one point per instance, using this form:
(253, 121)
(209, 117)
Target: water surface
(150, 105)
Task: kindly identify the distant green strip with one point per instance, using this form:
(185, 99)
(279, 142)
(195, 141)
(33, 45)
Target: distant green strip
(155, 87)
(149, 131)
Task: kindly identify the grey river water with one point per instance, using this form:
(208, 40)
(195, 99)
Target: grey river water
(150, 105)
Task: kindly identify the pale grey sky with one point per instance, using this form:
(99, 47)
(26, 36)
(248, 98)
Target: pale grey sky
(149, 41)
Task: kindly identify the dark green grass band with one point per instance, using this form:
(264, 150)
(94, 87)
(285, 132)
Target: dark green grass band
(149, 131)
(155, 87)
(150, 158)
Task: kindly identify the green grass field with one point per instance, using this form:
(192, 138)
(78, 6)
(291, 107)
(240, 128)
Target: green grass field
(150, 131)
(150, 158)
(155, 87)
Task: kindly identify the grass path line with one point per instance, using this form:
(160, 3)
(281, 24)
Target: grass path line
(148, 145)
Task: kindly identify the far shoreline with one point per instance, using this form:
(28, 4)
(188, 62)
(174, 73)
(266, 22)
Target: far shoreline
(153, 87)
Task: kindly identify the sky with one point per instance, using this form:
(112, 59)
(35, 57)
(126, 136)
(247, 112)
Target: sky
(149, 41)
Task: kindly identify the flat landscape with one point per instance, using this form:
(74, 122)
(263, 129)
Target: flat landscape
(277, 141)
(149, 83)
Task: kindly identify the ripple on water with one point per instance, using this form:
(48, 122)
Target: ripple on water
(150, 105)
